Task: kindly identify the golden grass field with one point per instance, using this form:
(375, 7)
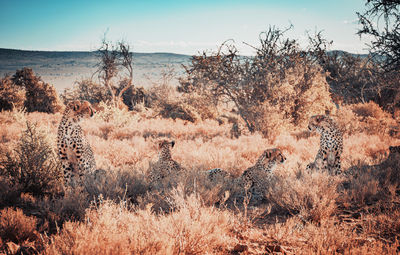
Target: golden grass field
(302, 212)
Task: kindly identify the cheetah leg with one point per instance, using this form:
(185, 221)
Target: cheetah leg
(338, 166)
(318, 163)
(66, 166)
(334, 163)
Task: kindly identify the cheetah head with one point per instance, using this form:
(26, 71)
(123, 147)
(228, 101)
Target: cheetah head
(79, 109)
(165, 147)
(318, 123)
(271, 158)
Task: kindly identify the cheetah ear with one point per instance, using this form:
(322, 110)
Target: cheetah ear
(268, 154)
(172, 144)
(160, 144)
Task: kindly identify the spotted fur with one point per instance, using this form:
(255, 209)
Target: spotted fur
(331, 144)
(265, 165)
(216, 174)
(165, 166)
(74, 150)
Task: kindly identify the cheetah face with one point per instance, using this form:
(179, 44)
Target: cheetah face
(318, 123)
(271, 158)
(78, 110)
(275, 155)
(166, 144)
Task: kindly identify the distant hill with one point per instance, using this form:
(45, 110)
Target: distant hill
(341, 53)
(63, 68)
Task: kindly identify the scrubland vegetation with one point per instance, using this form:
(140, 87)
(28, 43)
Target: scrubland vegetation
(302, 212)
(226, 111)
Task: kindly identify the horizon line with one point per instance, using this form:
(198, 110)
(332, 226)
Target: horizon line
(155, 52)
(90, 51)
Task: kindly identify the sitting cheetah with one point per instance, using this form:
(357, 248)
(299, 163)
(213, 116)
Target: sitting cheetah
(73, 149)
(165, 165)
(331, 144)
(266, 164)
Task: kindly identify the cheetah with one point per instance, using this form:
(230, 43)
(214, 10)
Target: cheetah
(74, 150)
(216, 174)
(165, 166)
(331, 144)
(251, 178)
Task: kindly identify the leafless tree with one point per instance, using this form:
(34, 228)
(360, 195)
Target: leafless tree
(247, 82)
(115, 59)
(381, 21)
(127, 63)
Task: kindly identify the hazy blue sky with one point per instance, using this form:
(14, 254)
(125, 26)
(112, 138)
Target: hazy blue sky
(172, 26)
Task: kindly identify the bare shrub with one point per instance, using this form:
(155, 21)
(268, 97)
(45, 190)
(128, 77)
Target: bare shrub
(177, 110)
(71, 206)
(85, 89)
(11, 96)
(167, 103)
(116, 185)
(311, 196)
(369, 184)
(203, 108)
(115, 60)
(9, 193)
(16, 227)
(33, 164)
(137, 95)
(357, 78)
(111, 114)
(365, 117)
(40, 96)
(381, 21)
(363, 188)
(279, 78)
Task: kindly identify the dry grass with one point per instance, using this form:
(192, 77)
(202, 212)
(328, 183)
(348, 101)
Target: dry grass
(301, 212)
(15, 226)
(117, 229)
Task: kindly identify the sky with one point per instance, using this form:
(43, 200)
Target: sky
(185, 27)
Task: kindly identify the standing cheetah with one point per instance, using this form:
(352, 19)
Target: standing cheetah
(74, 150)
(331, 144)
(165, 166)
